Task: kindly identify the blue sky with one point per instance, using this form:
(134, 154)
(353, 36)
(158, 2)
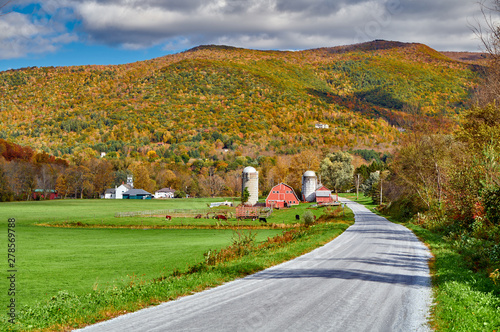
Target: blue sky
(80, 32)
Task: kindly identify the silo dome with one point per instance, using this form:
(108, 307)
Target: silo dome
(249, 169)
(309, 173)
(309, 186)
(250, 180)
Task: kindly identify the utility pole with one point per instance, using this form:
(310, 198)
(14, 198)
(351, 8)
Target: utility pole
(381, 189)
(357, 187)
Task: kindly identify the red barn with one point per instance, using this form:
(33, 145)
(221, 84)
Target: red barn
(282, 196)
(49, 194)
(324, 195)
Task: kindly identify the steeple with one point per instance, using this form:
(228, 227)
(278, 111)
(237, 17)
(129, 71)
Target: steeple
(130, 180)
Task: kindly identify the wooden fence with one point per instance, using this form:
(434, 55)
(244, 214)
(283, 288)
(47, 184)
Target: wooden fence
(250, 212)
(180, 213)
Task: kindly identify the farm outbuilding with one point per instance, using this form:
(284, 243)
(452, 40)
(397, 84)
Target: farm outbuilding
(137, 194)
(110, 193)
(45, 194)
(324, 195)
(282, 196)
(165, 193)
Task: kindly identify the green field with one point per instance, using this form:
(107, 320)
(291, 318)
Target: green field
(50, 259)
(101, 213)
(98, 266)
(91, 211)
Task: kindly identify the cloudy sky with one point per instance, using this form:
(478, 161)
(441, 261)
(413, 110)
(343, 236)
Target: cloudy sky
(75, 32)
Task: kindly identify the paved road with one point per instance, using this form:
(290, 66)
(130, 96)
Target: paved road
(374, 277)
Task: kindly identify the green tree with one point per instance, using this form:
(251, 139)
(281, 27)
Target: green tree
(424, 163)
(337, 170)
(102, 174)
(6, 193)
(142, 179)
(369, 187)
(245, 195)
(480, 128)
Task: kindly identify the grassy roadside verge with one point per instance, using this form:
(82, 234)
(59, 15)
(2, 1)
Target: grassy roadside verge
(463, 300)
(66, 311)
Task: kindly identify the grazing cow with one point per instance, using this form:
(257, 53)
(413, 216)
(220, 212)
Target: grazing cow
(221, 217)
(198, 216)
(297, 217)
(167, 217)
(262, 219)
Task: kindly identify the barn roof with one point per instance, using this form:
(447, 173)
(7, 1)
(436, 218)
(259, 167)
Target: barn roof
(293, 191)
(136, 192)
(166, 190)
(323, 192)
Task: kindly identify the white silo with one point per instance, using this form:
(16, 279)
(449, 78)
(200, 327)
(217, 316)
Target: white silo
(250, 180)
(309, 186)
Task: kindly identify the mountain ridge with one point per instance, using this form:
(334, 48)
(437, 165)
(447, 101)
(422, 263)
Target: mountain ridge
(215, 97)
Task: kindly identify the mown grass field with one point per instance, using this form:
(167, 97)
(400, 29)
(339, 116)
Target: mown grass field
(79, 259)
(102, 262)
(101, 213)
(92, 210)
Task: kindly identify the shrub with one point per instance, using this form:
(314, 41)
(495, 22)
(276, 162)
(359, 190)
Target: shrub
(491, 198)
(308, 218)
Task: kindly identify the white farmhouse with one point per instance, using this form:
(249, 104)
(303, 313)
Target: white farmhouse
(117, 192)
(165, 193)
(321, 126)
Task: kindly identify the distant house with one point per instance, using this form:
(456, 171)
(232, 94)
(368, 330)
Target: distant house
(117, 192)
(123, 188)
(324, 195)
(321, 126)
(110, 193)
(137, 194)
(282, 195)
(165, 193)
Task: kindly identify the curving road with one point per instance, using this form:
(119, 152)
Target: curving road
(374, 277)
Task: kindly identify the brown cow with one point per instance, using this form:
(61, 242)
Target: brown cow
(167, 217)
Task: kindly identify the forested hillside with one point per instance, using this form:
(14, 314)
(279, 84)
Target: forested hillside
(214, 97)
(212, 109)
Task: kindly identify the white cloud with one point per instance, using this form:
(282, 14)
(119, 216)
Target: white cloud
(23, 34)
(273, 24)
(264, 24)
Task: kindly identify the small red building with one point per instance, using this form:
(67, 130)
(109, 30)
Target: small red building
(44, 194)
(324, 195)
(282, 196)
